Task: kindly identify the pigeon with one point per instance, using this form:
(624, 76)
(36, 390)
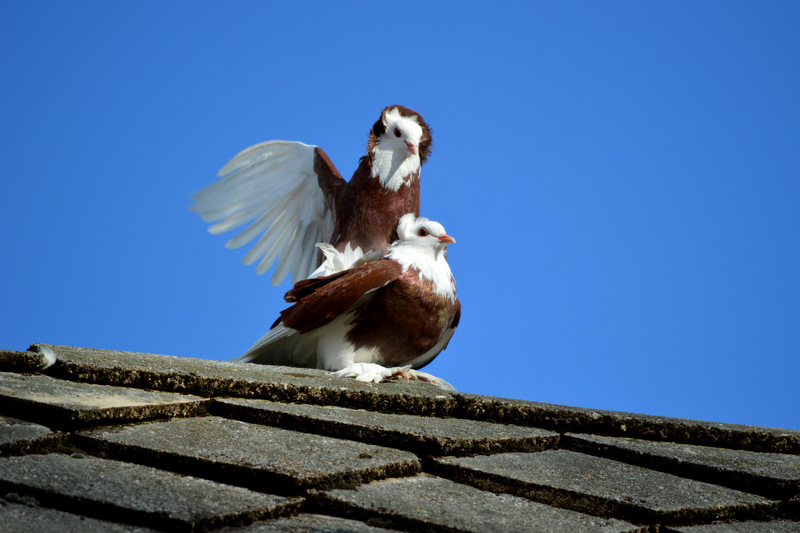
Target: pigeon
(384, 318)
(292, 197)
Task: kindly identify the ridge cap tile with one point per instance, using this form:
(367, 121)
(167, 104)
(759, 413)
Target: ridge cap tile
(224, 378)
(72, 404)
(568, 419)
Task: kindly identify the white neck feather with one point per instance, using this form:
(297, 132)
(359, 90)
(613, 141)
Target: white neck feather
(431, 263)
(392, 165)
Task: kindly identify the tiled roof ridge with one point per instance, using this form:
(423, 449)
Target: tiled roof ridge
(301, 385)
(154, 419)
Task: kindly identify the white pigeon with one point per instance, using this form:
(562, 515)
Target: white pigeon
(382, 318)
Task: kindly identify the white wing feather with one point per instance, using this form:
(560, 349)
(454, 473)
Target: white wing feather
(272, 187)
(336, 261)
(282, 346)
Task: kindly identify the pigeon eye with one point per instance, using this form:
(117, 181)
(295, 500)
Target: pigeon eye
(397, 132)
(422, 232)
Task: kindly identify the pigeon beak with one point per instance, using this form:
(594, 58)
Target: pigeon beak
(411, 147)
(446, 239)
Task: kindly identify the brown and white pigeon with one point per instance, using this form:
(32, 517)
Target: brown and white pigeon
(292, 196)
(377, 320)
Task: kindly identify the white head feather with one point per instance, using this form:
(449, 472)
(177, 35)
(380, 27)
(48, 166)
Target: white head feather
(393, 159)
(422, 244)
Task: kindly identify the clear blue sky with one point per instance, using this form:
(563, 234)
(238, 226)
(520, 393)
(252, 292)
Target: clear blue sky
(622, 178)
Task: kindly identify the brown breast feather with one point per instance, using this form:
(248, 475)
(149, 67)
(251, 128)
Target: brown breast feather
(366, 213)
(404, 320)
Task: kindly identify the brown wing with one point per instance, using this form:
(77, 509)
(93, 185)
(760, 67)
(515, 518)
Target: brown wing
(332, 185)
(305, 287)
(329, 179)
(454, 323)
(321, 300)
(457, 317)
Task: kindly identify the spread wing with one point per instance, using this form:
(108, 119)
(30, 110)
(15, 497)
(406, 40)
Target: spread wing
(286, 192)
(320, 300)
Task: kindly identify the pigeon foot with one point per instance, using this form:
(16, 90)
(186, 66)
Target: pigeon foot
(375, 373)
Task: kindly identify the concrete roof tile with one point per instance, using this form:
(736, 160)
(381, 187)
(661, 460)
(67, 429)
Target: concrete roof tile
(771, 474)
(67, 404)
(216, 378)
(20, 518)
(778, 526)
(181, 444)
(428, 502)
(134, 493)
(422, 434)
(19, 436)
(582, 420)
(604, 487)
(261, 457)
(309, 523)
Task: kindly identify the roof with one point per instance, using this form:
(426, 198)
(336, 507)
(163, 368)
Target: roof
(98, 440)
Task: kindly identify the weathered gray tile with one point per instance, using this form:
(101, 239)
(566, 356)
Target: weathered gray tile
(18, 436)
(65, 403)
(17, 518)
(253, 455)
(420, 434)
(582, 420)
(603, 487)
(136, 494)
(310, 523)
(777, 526)
(770, 474)
(12, 361)
(427, 502)
(217, 378)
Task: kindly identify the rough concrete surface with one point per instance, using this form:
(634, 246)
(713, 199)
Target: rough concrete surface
(603, 486)
(32, 518)
(67, 404)
(215, 378)
(106, 489)
(422, 434)
(310, 523)
(427, 500)
(767, 473)
(136, 442)
(781, 526)
(265, 458)
(17, 436)
(582, 420)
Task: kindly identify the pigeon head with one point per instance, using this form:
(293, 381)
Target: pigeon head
(403, 130)
(399, 143)
(421, 245)
(422, 231)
